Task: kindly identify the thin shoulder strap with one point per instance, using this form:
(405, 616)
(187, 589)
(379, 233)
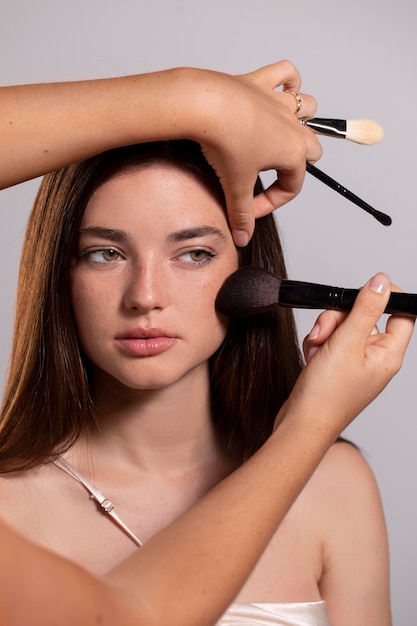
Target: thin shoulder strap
(96, 495)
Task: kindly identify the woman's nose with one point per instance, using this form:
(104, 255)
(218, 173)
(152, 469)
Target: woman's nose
(146, 288)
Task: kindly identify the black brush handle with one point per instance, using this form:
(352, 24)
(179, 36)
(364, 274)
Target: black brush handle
(302, 295)
(382, 218)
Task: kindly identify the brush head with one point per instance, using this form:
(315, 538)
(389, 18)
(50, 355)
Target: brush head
(366, 132)
(248, 291)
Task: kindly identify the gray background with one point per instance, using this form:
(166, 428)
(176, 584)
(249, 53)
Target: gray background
(359, 60)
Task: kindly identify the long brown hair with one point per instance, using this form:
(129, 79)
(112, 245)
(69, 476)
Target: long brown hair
(47, 402)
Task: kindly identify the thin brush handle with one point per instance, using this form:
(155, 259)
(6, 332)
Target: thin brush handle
(302, 295)
(333, 184)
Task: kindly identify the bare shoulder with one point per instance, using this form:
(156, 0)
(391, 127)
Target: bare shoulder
(344, 490)
(344, 467)
(349, 525)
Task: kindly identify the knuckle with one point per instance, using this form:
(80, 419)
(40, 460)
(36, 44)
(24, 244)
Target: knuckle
(372, 309)
(395, 362)
(316, 152)
(240, 219)
(313, 102)
(298, 150)
(319, 151)
(288, 66)
(290, 75)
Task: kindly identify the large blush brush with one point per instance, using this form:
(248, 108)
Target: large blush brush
(252, 290)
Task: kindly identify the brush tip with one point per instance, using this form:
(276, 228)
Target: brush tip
(248, 291)
(367, 132)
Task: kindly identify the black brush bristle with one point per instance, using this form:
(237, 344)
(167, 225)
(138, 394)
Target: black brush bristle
(248, 291)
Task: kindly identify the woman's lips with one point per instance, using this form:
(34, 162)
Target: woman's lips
(147, 342)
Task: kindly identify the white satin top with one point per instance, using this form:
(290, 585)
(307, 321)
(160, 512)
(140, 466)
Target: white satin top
(254, 614)
(276, 614)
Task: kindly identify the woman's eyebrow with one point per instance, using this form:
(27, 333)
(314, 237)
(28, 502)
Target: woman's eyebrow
(112, 234)
(198, 231)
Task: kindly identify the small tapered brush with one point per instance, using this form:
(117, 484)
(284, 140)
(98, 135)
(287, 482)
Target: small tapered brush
(363, 131)
(252, 290)
(382, 218)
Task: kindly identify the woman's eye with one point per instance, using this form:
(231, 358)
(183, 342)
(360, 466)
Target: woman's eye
(197, 256)
(103, 256)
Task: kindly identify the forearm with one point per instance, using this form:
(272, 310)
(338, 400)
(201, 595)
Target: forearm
(190, 572)
(187, 574)
(39, 588)
(200, 562)
(47, 126)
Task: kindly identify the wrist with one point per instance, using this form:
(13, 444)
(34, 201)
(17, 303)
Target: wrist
(198, 101)
(179, 103)
(315, 426)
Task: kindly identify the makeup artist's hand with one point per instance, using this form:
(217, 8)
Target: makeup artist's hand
(253, 128)
(349, 362)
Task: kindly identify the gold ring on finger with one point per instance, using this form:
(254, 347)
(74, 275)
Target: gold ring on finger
(298, 101)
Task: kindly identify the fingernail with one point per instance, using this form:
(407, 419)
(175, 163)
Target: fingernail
(379, 283)
(240, 237)
(314, 332)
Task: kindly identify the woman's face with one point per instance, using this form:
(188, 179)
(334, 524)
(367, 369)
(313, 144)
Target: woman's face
(154, 249)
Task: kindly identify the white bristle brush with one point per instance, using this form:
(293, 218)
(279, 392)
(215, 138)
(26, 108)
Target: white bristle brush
(363, 131)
